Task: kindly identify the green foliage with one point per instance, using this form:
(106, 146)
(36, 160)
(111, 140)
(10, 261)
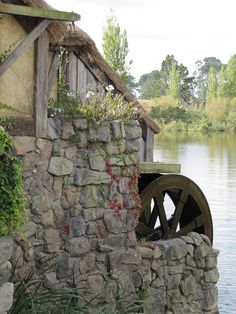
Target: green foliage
(95, 108)
(112, 107)
(12, 201)
(212, 84)
(172, 79)
(115, 48)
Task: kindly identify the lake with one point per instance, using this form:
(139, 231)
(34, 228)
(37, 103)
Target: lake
(210, 161)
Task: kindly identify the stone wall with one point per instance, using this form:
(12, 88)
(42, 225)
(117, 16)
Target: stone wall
(81, 186)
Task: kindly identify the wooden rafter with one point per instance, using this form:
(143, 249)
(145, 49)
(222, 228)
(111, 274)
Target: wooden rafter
(24, 44)
(38, 12)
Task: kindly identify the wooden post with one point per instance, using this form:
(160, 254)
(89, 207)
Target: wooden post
(41, 85)
(52, 75)
(149, 145)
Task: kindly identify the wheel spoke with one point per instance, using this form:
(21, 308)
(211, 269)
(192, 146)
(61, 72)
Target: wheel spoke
(153, 217)
(179, 208)
(159, 202)
(196, 223)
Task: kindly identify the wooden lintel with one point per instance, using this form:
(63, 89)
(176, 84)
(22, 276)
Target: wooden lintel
(38, 12)
(159, 167)
(24, 44)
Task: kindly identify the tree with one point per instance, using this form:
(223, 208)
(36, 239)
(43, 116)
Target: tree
(231, 77)
(115, 49)
(174, 84)
(201, 76)
(212, 84)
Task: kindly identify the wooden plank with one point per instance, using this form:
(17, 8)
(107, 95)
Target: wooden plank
(159, 167)
(149, 145)
(82, 80)
(91, 82)
(72, 73)
(24, 44)
(38, 12)
(101, 90)
(41, 85)
(52, 76)
(141, 150)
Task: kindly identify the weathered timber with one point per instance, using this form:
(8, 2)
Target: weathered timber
(38, 12)
(159, 167)
(52, 76)
(72, 73)
(41, 85)
(24, 44)
(149, 145)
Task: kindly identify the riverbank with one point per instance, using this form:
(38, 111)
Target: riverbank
(217, 116)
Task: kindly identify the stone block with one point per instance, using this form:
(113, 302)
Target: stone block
(5, 272)
(115, 223)
(6, 296)
(23, 144)
(97, 163)
(210, 299)
(60, 166)
(173, 249)
(77, 226)
(111, 242)
(85, 176)
(6, 249)
(132, 130)
(94, 196)
(78, 246)
(67, 130)
(117, 130)
(116, 148)
(71, 152)
(54, 128)
(211, 276)
(53, 241)
(80, 124)
(45, 147)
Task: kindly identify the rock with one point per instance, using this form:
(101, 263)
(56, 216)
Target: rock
(116, 148)
(81, 139)
(54, 128)
(211, 276)
(87, 264)
(172, 282)
(97, 163)
(210, 299)
(115, 223)
(117, 130)
(67, 267)
(80, 124)
(50, 280)
(85, 176)
(23, 144)
(145, 252)
(173, 249)
(78, 246)
(5, 272)
(53, 241)
(30, 229)
(132, 146)
(45, 147)
(93, 196)
(6, 249)
(6, 296)
(91, 214)
(60, 166)
(202, 251)
(71, 152)
(47, 219)
(101, 134)
(132, 130)
(111, 242)
(188, 286)
(77, 226)
(67, 130)
(97, 286)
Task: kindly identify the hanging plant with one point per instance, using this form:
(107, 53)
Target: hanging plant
(12, 200)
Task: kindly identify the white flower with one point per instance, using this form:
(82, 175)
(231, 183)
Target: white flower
(110, 88)
(89, 94)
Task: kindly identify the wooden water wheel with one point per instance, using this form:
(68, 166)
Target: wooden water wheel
(172, 206)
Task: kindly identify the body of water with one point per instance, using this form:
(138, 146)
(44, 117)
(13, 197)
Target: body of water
(210, 161)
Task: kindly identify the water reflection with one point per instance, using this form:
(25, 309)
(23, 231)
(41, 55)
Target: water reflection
(210, 161)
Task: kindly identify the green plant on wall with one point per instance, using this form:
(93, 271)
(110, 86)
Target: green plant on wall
(12, 200)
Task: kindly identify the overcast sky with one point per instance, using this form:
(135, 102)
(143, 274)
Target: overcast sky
(190, 30)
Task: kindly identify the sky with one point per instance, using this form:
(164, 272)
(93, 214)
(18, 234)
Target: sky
(190, 30)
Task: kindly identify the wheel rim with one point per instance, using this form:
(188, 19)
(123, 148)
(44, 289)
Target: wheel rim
(172, 206)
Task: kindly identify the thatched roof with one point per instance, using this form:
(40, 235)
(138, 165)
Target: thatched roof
(88, 52)
(72, 36)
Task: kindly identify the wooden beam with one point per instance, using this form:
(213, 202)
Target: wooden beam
(52, 76)
(39, 12)
(159, 167)
(24, 44)
(41, 85)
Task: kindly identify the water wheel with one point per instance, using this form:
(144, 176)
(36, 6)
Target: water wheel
(172, 206)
